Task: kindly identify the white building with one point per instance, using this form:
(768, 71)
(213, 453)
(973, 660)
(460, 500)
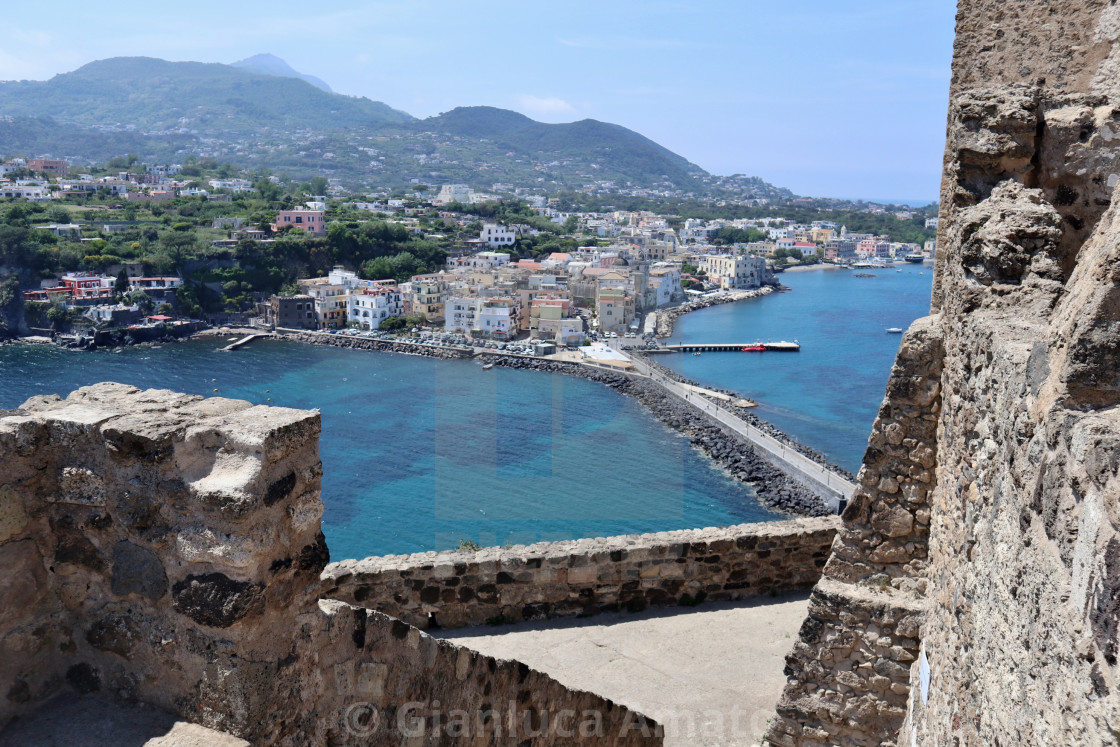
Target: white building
(454, 193)
(496, 235)
(497, 317)
(733, 272)
(371, 305)
(487, 260)
(459, 314)
(34, 193)
(233, 185)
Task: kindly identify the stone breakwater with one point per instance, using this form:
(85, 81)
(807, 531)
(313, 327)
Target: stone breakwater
(166, 548)
(384, 346)
(751, 418)
(774, 488)
(588, 576)
(667, 318)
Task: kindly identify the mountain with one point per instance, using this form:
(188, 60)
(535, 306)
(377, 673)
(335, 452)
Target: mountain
(163, 111)
(584, 146)
(270, 64)
(155, 95)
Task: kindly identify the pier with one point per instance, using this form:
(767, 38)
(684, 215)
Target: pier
(831, 486)
(242, 342)
(733, 347)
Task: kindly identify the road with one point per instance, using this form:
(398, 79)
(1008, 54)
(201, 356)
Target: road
(832, 485)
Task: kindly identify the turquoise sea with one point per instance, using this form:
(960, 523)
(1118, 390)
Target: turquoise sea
(827, 395)
(419, 454)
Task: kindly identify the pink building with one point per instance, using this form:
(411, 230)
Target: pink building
(313, 222)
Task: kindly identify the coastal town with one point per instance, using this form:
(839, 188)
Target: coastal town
(535, 274)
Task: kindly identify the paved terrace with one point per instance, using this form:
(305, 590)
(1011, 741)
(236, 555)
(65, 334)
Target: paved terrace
(711, 675)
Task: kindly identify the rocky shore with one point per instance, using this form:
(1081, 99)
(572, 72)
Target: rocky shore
(667, 319)
(775, 489)
(384, 346)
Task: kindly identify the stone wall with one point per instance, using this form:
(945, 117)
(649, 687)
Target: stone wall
(166, 548)
(584, 577)
(1017, 594)
(849, 671)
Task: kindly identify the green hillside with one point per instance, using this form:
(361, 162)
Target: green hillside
(164, 111)
(156, 95)
(617, 152)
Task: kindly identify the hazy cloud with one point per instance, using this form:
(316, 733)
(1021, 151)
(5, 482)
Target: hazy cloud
(548, 106)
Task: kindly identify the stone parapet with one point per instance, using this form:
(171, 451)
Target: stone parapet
(165, 548)
(583, 577)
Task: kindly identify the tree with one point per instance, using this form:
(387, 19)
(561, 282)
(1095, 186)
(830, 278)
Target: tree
(59, 316)
(318, 185)
(121, 286)
(165, 309)
(142, 300)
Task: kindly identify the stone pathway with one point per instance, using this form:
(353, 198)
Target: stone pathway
(711, 675)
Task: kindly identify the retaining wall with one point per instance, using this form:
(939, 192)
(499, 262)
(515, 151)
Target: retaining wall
(585, 577)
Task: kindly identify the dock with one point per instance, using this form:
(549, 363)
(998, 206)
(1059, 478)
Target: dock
(733, 347)
(834, 488)
(240, 343)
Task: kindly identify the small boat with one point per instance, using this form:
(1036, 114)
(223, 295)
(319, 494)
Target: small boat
(696, 354)
(758, 347)
(894, 330)
(487, 366)
(915, 258)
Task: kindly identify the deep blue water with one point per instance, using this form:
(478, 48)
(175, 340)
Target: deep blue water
(827, 395)
(419, 454)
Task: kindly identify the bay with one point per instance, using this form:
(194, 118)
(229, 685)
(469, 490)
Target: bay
(420, 454)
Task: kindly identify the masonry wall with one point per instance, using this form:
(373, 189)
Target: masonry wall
(584, 577)
(1017, 594)
(850, 668)
(167, 548)
(146, 534)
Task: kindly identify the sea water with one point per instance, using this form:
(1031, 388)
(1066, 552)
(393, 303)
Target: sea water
(826, 395)
(420, 454)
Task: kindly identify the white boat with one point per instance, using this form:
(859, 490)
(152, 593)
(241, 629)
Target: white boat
(487, 366)
(894, 330)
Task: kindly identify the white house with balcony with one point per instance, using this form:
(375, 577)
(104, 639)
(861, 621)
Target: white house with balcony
(496, 235)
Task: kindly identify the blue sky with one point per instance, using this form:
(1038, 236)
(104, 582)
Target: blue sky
(844, 99)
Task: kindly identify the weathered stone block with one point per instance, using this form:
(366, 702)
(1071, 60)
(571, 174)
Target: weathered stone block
(137, 570)
(215, 600)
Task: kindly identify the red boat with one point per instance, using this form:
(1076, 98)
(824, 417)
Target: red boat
(758, 347)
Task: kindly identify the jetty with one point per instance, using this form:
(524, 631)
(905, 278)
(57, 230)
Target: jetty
(241, 343)
(732, 347)
(834, 488)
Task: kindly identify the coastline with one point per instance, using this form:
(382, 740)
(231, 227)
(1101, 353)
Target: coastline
(773, 487)
(817, 266)
(667, 319)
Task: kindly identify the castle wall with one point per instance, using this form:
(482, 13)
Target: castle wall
(562, 579)
(166, 548)
(1017, 596)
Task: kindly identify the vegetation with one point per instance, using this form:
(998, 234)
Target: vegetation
(398, 323)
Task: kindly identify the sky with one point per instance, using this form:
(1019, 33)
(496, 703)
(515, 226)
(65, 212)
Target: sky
(829, 99)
